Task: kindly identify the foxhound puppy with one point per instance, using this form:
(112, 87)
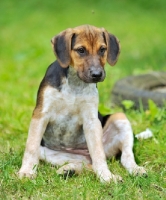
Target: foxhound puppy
(66, 129)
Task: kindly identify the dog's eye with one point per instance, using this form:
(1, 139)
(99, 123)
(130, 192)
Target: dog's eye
(81, 50)
(102, 50)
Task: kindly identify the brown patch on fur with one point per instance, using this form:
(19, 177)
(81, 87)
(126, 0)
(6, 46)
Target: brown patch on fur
(113, 118)
(37, 113)
(89, 167)
(91, 38)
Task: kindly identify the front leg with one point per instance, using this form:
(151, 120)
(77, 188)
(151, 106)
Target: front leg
(31, 155)
(93, 134)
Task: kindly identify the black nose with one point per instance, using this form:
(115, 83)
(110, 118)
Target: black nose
(96, 74)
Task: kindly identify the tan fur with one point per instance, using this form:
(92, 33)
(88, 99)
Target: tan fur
(113, 118)
(92, 42)
(37, 113)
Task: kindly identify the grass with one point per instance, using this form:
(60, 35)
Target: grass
(26, 29)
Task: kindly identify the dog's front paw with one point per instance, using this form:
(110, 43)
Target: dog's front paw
(27, 173)
(106, 177)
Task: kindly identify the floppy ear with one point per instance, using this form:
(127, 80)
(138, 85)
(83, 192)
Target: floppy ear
(113, 48)
(62, 46)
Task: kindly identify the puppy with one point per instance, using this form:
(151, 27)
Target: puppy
(66, 129)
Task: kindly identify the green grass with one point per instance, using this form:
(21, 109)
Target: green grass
(26, 28)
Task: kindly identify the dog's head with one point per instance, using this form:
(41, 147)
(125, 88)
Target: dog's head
(86, 48)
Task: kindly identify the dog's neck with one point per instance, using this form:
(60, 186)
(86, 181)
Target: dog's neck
(78, 85)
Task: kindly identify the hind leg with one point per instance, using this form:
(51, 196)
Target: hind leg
(70, 163)
(118, 136)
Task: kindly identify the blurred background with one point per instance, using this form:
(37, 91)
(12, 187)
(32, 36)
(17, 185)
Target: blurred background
(26, 28)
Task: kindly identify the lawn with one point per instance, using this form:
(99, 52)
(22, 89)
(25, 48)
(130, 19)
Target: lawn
(26, 28)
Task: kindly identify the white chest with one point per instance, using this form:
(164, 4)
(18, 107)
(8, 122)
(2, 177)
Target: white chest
(64, 109)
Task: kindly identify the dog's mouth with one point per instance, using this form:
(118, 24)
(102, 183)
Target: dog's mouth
(91, 79)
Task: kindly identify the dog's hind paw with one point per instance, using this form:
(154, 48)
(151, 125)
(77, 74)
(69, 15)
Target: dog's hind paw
(139, 171)
(67, 173)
